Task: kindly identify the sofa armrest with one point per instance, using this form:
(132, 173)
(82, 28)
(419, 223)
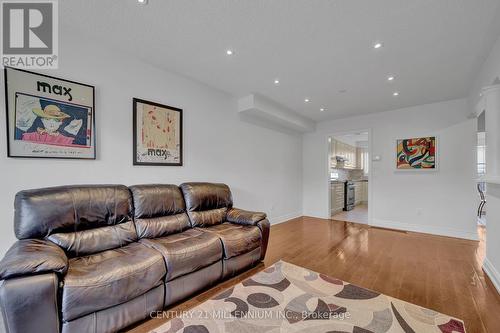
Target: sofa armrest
(29, 304)
(265, 229)
(33, 256)
(245, 217)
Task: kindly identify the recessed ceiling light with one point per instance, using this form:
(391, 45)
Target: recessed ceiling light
(276, 81)
(229, 52)
(306, 100)
(322, 109)
(377, 45)
(342, 91)
(395, 93)
(142, 2)
(390, 78)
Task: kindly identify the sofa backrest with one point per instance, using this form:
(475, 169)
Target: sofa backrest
(159, 210)
(80, 219)
(206, 203)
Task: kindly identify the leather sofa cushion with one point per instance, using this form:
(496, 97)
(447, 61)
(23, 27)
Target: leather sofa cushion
(206, 203)
(42, 212)
(241, 216)
(236, 239)
(82, 243)
(119, 317)
(161, 226)
(236, 265)
(155, 200)
(33, 256)
(159, 210)
(109, 278)
(187, 285)
(205, 196)
(187, 252)
(207, 217)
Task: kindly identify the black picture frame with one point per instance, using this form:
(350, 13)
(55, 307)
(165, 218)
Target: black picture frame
(135, 133)
(7, 111)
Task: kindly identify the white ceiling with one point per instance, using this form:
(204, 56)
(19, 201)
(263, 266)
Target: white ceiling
(315, 47)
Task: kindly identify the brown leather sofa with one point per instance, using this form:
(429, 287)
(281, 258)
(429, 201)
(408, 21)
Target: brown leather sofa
(99, 258)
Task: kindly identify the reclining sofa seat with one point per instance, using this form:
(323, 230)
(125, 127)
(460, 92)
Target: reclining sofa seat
(193, 258)
(97, 259)
(244, 234)
(77, 257)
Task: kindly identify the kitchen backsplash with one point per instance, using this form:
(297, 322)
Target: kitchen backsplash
(345, 174)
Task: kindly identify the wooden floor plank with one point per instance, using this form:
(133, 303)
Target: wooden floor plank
(440, 273)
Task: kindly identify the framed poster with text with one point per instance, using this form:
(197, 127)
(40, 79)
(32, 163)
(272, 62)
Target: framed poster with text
(157, 131)
(48, 117)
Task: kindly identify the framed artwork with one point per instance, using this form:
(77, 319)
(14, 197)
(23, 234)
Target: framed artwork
(157, 134)
(48, 117)
(417, 154)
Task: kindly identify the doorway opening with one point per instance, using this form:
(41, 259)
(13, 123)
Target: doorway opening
(348, 158)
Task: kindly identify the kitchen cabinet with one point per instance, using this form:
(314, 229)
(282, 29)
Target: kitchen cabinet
(348, 152)
(357, 193)
(361, 155)
(360, 192)
(364, 197)
(333, 154)
(350, 155)
(359, 158)
(336, 197)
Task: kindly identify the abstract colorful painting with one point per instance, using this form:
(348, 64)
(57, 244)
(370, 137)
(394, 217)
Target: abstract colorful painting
(157, 134)
(417, 154)
(48, 117)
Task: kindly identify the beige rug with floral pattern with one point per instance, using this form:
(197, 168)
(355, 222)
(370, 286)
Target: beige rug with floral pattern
(289, 298)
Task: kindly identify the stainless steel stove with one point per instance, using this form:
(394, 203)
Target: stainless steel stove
(349, 196)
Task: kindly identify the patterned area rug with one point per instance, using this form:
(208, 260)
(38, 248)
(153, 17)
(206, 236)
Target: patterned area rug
(289, 298)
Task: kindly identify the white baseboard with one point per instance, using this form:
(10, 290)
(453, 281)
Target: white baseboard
(492, 273)
(284, 218)
(316, 216)
(426, 229)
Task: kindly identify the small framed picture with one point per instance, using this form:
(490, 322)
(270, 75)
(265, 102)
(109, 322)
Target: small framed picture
(157, 131)
(417, 154)
(48, 117)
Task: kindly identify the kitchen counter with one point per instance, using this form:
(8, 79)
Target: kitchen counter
(343, 181)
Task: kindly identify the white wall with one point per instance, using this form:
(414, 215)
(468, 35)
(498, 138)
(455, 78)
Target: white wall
(492, 260)
(263, 167)
(488, 73)
(439, 202)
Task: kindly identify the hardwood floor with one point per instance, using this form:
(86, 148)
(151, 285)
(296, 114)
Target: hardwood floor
(440, 273)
